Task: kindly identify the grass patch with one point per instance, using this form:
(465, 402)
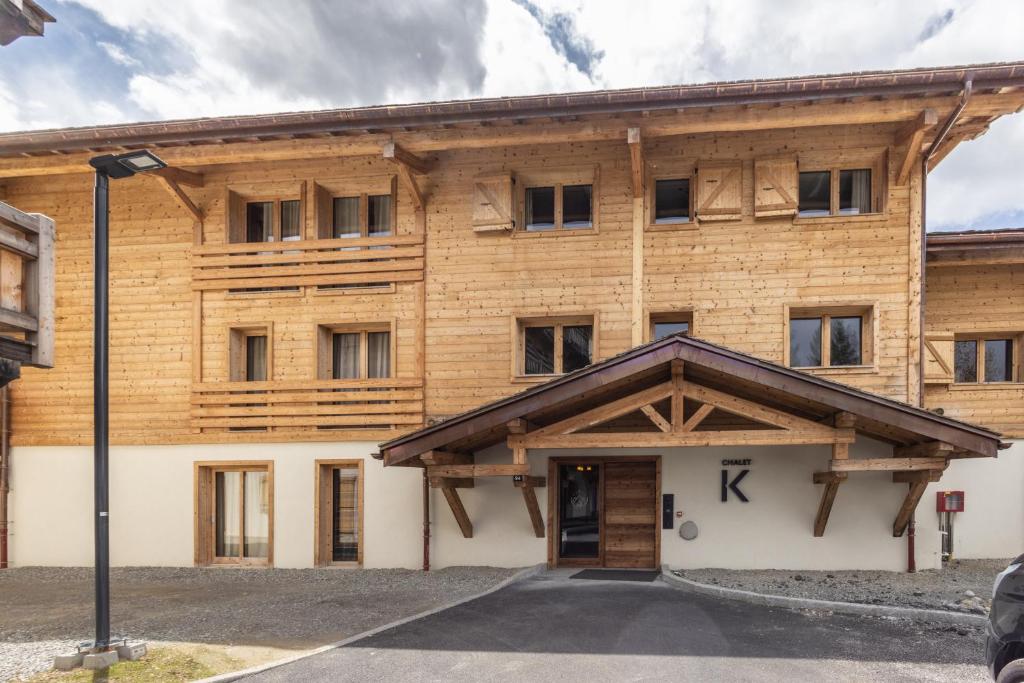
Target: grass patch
(161, 665)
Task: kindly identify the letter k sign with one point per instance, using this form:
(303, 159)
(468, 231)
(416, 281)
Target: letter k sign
(733, 486)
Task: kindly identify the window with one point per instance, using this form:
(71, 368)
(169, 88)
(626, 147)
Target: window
(339, 512)
(665, 324)
(559, 207)
(837, 192)
(835, 337)
(348, 352)
(551, 346)
(671, 201)
(992, 358)
(350, 220)
(278, 220)
(249, 350)
(236, 504)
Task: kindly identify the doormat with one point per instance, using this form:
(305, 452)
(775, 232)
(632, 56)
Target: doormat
(617, 575)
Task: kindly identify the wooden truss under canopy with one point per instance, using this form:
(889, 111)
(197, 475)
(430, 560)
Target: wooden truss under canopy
(679, 392)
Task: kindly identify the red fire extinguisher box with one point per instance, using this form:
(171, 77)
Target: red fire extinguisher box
(950, 501)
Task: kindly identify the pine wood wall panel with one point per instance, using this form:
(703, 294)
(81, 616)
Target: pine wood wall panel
(976, 300)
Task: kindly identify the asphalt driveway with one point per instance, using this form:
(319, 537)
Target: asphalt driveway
(553, 628)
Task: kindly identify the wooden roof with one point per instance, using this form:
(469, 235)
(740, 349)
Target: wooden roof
(990, 79)
(975, 248)
(21, 18)
(799, 393)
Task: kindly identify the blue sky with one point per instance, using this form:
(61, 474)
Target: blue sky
(111, 61)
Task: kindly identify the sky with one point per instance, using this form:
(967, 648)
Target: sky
(115, 61)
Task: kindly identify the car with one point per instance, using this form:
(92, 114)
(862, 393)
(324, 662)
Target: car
(1004, 646)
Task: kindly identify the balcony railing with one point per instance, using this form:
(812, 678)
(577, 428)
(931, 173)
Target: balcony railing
(358, 262)
(314, 406)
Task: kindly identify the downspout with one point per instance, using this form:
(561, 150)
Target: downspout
(426, 521)
(939, 139)
(5, 468)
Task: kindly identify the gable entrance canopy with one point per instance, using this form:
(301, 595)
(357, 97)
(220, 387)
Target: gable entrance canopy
(678, 392)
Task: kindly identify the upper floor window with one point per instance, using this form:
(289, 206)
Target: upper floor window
(559, 207)
(273, 221)
(834, 337)
(984, 359)
(555, 346)
(363, 216)
(667, 324)
(836, 192)
(671, 201)
(250, 354)
(354, 352)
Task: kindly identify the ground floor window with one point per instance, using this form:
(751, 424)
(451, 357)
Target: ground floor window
(234, 513)
(339, 512)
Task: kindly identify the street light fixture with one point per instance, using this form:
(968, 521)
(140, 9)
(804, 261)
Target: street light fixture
(107, 166)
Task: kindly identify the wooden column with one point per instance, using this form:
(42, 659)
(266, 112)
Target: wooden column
(678, 397)
(636, 161)
(915, 291)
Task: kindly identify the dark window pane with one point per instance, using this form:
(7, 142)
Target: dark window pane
(576, 206)
(345, 514)
(540, 350)
(855, 191)
(378, 354)
(227, 522)
(805, 342)
(378, 215)
(346, 217)
(672, 201)
(578, 514)
(965, 361)
(540, 208)
(259, 222)
(998, 360)
(577, 342)
(256, 358)
(291, 220)
(844, 344)
(664, 329)
(815, 193)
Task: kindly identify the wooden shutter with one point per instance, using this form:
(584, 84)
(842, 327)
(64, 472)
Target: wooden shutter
(323, 212)
(776, 187)
(235, 215)
(938, 358)
(719, 191)
(492, 203)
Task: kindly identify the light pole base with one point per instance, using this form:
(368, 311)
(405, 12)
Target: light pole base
(100, 660)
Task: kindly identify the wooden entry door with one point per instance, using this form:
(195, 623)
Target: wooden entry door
(630, 514)
(627, 507)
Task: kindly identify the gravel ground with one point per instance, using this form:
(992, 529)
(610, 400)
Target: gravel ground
(47, 610)
(963, 585)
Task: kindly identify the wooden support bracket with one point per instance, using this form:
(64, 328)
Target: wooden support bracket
(534, 482)
(455, 503)
(408, 164)
(697, 417)
(914, 494)
(636, 161)
(180, 197)
(532, 507)
(911, 138)
(831, 480)
(655, 417)
(452, 482)
(180, 176)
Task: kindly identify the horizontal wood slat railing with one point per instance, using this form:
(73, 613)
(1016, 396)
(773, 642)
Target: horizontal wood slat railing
(314, 405)
(363, 261)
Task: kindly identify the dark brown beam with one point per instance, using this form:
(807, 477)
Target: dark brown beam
(452, 482)
(530, 498)
(909, 505)
(455, 503)
(831, 480)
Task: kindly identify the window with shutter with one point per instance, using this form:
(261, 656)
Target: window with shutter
(719, 191)
(938, 358)
(775, 187)
(492, 203)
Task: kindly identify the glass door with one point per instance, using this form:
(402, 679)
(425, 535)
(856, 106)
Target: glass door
(579, 511)
(345, 515)
(242, 516)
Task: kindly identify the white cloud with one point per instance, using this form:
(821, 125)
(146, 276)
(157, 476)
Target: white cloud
(118, 55)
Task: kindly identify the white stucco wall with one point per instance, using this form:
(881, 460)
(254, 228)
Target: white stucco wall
(773, 530)
(151, 504)
(992, 523)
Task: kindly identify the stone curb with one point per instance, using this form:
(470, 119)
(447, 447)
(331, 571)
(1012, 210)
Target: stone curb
(934, 615)
(237, 675)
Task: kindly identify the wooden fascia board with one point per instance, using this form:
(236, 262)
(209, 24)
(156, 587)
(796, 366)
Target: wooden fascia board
(696, 439)
(687, 121)
(872, 408)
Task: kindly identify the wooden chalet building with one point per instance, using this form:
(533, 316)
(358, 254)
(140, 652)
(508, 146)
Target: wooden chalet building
(693, 326)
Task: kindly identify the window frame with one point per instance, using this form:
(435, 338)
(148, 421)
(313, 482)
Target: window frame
(237, 333)
(559, 322)
(205, 512)
(364, 211)
(322, 509)
(655, 317)
(877, 163)
(557, 179)
(868, 334)
(324, 336)
(652, 200)
(1015, 339)
(275, 217)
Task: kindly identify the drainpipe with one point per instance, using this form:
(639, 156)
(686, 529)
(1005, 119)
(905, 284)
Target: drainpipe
(939, 139)
(426, 521)
(5, 467)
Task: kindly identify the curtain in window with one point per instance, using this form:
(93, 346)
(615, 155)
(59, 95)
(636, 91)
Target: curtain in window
(379, 215)
(227, 523)
(257, 514)
(378, 354)
(860, 191)
(291, 220)
(256, 358)
(346, 217)
(259, 217)
(345, 364)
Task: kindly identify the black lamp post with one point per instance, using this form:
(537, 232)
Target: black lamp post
(107, 166)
